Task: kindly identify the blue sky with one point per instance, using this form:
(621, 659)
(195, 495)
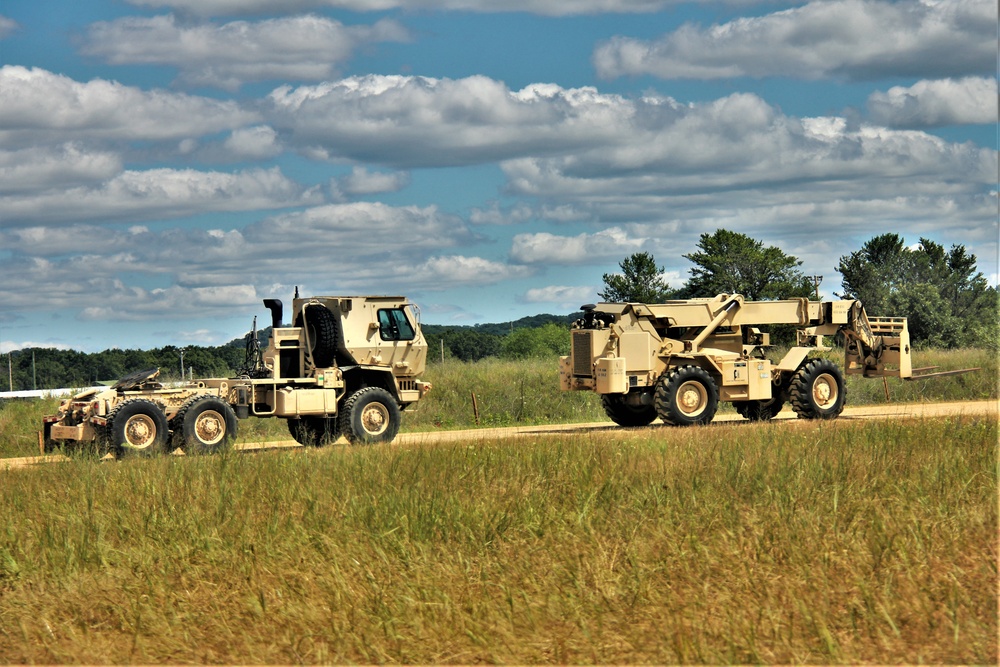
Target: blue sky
(167, 164)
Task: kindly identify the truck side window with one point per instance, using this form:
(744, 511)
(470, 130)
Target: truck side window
(393, 325)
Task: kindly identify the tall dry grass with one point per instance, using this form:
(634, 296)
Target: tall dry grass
(841, 542)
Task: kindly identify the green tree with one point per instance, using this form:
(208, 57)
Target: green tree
(641, 281)
(874, 272)
(471, 345)
(545, 341)
(733, 263)
(947, 301)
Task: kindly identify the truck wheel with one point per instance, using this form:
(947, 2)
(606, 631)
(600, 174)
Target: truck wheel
(623, 413)
(207, 424)
(314, 431)
(817, 390)
(369, 416)
(322, 330)
(48, 444)
(137, 426)
(759, 411)
(686, 395)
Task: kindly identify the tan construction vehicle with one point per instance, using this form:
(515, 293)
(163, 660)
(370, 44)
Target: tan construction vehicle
(349, 366)
(678, 359)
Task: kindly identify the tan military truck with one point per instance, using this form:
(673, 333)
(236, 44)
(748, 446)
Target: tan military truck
(678, 359)
(349, 365)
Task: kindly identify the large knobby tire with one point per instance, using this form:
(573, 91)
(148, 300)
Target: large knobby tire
(137, 426)
(321, 328)
(686, 396)
(760, 411)
(624, 413)
(369, 416)
(314, 431)
(206, 424)
(817, 390)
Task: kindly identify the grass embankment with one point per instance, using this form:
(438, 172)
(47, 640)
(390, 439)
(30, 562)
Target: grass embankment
(515, 393)
(869, 542)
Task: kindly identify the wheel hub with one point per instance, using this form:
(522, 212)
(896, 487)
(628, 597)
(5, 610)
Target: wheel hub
(209, 427)
(692, 398)
(140, 431)
(375, 418)
(824, 391)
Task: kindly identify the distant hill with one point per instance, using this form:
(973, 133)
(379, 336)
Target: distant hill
(504, 328)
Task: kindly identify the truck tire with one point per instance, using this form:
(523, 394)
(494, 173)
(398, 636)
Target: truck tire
(207, 424)
(686, 395)
(817, 390)
(323, 335)
(314, 431)
(48, 444)
(623, 413)
(760, 411)
(369, 416)
(137, 426)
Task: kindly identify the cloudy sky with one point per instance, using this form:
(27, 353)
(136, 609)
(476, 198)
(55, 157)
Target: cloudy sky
(167, 164)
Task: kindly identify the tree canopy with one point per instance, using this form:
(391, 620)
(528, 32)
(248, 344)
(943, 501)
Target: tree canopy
(733, 263)
(641, 280)
(947, 301)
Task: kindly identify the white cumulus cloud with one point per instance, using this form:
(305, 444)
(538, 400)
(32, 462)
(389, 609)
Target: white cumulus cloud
(38, 106)
(259, 141)
(565, 296)
(361, 182)
(409, 121)
(856, 39)
(546, 248)
(450, 271)
(298, 48)
(157, 193)
(966, 101)
(41, 168)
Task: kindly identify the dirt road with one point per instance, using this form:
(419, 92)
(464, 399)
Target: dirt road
(890, 411)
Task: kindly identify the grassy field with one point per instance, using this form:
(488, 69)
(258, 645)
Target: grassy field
(798, 542)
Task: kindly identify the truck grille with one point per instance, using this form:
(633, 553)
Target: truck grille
(583, 354)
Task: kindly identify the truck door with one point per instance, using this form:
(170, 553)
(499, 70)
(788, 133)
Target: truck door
(396, 334)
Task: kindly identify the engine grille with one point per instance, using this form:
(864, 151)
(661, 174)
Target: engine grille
(583, 354)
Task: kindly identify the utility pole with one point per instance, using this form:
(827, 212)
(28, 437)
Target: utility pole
(182, 364)
(34, 378)
(816, 281)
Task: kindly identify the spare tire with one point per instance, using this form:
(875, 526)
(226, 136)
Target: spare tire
(322, 333)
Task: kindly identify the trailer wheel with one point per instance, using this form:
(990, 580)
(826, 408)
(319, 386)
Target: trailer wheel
(686, 396)
(369, 416)
(817, 390)
(207, 424)
(137, 426)
(623, 413)
(323, 335)
(48, 444)
(759, 411)
(314, 431)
